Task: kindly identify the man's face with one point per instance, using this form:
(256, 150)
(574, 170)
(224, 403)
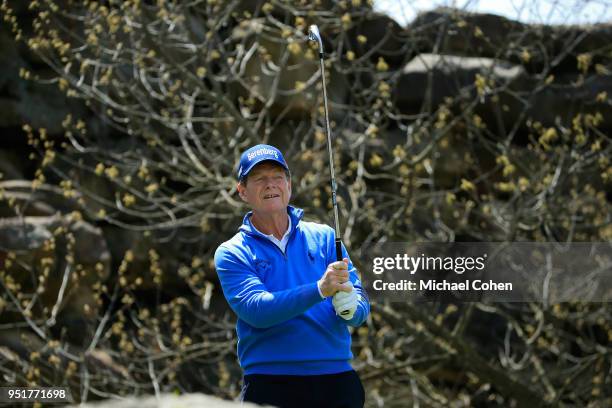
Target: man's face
(267, 189)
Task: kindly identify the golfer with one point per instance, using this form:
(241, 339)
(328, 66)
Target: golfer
(279, 276)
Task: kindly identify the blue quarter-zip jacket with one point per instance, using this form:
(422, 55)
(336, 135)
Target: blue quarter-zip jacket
(284, 326)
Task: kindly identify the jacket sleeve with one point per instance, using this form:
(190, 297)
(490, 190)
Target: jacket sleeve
(249, 298)
(363, 302)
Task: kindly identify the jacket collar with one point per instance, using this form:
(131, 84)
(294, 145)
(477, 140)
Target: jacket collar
(295, 214)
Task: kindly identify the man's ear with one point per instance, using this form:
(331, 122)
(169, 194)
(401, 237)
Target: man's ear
(241, 191)
(289, 186)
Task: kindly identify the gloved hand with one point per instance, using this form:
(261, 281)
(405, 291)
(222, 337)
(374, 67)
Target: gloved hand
(345, 303)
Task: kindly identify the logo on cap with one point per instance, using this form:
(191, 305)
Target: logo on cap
(257, 154)
(262, 152)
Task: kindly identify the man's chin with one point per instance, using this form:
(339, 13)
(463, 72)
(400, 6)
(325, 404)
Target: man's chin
(273, 207)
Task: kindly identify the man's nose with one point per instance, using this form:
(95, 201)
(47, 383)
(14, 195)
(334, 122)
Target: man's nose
(269, 181)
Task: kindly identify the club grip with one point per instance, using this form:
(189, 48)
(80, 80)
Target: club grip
(338, 249)
(339, 258)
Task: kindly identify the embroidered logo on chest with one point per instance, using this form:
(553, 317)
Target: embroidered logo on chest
(311, 255)
(262, 265)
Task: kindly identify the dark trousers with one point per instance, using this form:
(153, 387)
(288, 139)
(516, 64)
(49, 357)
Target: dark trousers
(342, 390)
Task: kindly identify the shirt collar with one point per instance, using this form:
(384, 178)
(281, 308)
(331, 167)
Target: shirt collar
(295, 215)
(272, 235)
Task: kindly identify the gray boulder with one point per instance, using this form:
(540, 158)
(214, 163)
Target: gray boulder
(66, 290)
(167, 401)
(430, 78)
(509, 94)
(453, 31)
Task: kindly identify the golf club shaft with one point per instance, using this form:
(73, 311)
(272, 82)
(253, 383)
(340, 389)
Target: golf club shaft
(314, 35)
(332, 173)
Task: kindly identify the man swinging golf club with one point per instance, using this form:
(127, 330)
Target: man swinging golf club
(294, 289)
(294, 301)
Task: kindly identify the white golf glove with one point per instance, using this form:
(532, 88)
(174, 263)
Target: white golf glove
(345, 303)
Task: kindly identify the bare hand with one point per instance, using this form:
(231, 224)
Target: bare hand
(334, 277)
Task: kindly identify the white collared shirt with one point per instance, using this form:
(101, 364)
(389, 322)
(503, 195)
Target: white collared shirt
(282, 243)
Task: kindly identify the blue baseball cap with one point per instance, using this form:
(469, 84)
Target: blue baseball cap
(257, 154)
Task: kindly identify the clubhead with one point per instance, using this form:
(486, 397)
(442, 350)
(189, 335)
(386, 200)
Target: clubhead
(314, 35)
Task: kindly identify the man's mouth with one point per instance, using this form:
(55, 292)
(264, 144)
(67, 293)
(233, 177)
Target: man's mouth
(270, 196)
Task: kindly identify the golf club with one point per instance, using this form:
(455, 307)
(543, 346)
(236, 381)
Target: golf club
(314, 35)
